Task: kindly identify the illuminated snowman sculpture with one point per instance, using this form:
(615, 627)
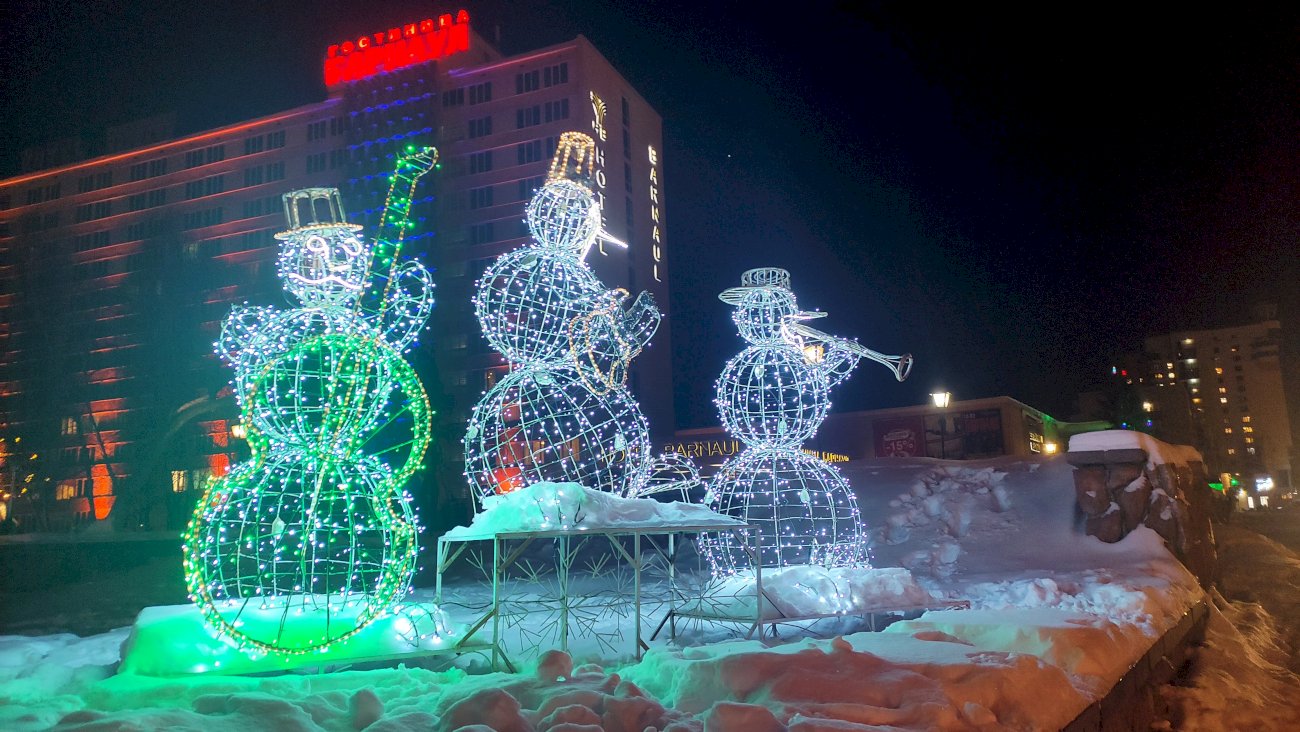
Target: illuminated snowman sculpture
(773, 396)
(313, 538)
(563, 413)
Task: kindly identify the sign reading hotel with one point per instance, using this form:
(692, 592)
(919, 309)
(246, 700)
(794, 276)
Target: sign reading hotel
(599, 134)
(396, 48)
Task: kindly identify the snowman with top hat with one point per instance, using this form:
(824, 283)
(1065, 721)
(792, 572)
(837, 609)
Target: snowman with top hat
(773, 396)
(563, 414)
(313, 538)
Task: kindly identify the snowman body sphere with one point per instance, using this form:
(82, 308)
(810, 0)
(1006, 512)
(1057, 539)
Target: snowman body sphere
(773, 396)
(563, 413)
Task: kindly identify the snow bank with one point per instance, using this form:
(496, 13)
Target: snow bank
(802, 591)
(894, 680)
(564, 506)
(1158, 453)
(1240, 678)
(1056, 614)
(42, 679)
(176, 640)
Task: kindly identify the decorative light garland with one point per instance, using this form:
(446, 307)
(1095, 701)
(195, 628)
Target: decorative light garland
(563, 414)
(773, 396)
(314, 538)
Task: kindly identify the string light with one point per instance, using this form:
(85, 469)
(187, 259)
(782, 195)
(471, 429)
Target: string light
(314, 538)
(773, 396)
(564, 413)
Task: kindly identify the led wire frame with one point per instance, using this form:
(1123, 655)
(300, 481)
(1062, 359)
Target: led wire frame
(314, 538)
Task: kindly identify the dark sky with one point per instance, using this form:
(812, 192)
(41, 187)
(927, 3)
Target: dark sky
(1012, 197)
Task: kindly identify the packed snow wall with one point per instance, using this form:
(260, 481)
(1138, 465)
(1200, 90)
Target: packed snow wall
(1125, 479)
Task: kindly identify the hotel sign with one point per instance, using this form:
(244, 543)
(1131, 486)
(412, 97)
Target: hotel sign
(599, 179)
(656, 239)
(396, 48)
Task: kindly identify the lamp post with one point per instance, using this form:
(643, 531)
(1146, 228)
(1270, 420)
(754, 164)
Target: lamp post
(941, 399)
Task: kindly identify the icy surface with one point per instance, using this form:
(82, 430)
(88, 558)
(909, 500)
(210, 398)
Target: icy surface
(1056, 617)
(563, 506)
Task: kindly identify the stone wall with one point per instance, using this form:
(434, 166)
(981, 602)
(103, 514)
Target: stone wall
(1118, 490)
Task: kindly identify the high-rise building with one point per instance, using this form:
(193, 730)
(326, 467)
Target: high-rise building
(1220, 390)
(117, 270)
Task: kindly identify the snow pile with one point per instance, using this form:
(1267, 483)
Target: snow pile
(1056, 617)
(1158, 453)
(41, 679)
(943, 500)
(176, 640)
(803, 591)
(892, 680)
(1240, 677)
(565, 506)
(1150, 593)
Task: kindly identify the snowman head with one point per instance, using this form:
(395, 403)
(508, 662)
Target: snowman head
(322, 260)
(763, 304)
(564, 217)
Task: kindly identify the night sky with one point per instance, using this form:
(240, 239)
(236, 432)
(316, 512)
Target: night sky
(1013, 198)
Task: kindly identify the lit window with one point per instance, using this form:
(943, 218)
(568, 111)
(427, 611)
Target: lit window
(66, 490)
(1250, 450)
(1232, 451)
(1171, 374)
(1223, 390)
(180, 481)
(1218, 369)
(69, 426)
(1223, 400)
(1196, 400)
(1247, 429)
(1246, 418)
(1227, 430)
(1250, 440)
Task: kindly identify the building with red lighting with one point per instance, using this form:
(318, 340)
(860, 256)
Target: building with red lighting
(117, 270)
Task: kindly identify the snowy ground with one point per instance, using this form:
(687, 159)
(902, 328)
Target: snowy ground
(1057, 617)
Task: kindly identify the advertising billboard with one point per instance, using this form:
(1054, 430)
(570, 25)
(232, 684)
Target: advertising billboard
(899, 436)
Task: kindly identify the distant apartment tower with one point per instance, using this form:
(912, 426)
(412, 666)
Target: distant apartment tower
(116, 271)
(1220, 390)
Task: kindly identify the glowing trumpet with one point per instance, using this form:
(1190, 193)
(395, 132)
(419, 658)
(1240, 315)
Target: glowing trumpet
(795, 332)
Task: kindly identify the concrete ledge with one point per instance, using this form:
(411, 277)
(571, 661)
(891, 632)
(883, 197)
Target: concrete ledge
(1106, 457)
(1130, 705)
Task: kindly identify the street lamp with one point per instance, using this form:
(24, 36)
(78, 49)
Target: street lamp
(941, 400)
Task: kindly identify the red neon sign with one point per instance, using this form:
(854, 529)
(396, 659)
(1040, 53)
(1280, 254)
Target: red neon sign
(396, 48)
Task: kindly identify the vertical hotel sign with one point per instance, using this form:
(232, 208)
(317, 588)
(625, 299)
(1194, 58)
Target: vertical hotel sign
(598, 132)
(396, 48)
(656, 238)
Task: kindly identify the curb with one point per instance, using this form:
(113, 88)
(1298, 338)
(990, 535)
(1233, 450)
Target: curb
(1130, 705)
